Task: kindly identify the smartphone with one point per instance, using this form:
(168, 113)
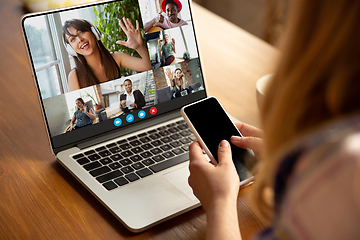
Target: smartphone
(211, 124)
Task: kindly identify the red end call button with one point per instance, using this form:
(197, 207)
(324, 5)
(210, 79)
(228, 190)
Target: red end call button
(153, 110)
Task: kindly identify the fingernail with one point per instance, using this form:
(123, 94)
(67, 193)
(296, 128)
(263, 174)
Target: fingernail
(224, 143)
(235, 139)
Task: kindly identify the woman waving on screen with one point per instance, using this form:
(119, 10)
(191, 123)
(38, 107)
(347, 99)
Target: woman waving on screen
(94, 63)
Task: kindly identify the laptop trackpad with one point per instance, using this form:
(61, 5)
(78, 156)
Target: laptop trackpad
(176, 178)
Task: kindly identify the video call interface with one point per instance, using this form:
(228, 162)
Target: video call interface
(110, 65)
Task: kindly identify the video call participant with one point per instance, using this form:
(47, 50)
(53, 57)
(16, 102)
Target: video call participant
(94, 63)
(84, 115)
(131, 99)
(171, 8)
(168, 51)
(178, 83)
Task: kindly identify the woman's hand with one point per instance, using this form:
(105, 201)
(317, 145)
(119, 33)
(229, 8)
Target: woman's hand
(134, 39)
(252, 138)
(169, 73)
(83, 109)
(213, 184)
(217, 188)
(123, 103)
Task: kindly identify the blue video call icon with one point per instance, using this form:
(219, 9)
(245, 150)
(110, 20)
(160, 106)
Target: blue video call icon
(130, 118)
(141, 114)
(117, 122)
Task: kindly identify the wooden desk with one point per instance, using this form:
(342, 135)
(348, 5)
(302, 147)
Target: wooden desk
(39, 199)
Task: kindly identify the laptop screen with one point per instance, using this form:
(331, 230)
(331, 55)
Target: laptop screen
(102, 67)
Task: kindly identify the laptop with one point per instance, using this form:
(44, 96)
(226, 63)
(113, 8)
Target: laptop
(133, 155)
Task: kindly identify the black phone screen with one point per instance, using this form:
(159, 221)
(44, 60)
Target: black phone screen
(214, 125)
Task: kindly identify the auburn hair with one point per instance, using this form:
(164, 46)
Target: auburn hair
(85, 75)
(317, 81)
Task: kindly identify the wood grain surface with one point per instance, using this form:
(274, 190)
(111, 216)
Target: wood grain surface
(39, 199)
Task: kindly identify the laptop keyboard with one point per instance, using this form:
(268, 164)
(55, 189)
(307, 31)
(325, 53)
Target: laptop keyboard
(136, 157)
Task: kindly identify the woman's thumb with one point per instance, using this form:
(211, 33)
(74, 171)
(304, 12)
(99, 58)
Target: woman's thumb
(224, 152)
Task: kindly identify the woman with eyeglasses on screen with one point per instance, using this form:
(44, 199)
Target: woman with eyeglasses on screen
(309, 173)
(94, 63)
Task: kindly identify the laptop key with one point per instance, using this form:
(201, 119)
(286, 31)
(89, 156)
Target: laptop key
(156, 151)
(148, 162)
(115, 149)
(147, 146)
(121, 181)
(169, 163)
(127, 169)
(78, 156)
(145, 139)
(94, 157)
(156, 143)
(185, 133)
(89, 152)
(136, 158)
(183, 127)
(127, 153)
(111, 145)
(135, 143)
(110, 185)
(121, 141)
(125, 146)
(158, 158)
(115, 165)
(132, 138)
(155, 136)
(137, 150)
(175, 144)
(152, 131)
(138, 166)
(106, 161)
(164, 133)
(166, 139)
(83, 161)
(144, 172)
(166, 147)
(186, 147)
(173, 130)
(142, 135)
(176, 136)
(116, 157)
(146, 154)
(168, 154)
(109, 176)
(99, 149)
(125, 162)
(185, 140)
(132, 177)
(92, 165)
(178, 151)
(105, 153)
(100, 171)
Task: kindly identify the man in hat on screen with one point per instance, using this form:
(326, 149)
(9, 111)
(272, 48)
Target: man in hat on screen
(171, 8)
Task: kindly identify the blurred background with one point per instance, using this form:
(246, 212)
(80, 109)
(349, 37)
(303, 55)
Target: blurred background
(263, 18)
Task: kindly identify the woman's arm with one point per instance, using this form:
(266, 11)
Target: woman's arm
(73, 82)
(91, 114)
(217, 188)
(134, 41)
(72, 121)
